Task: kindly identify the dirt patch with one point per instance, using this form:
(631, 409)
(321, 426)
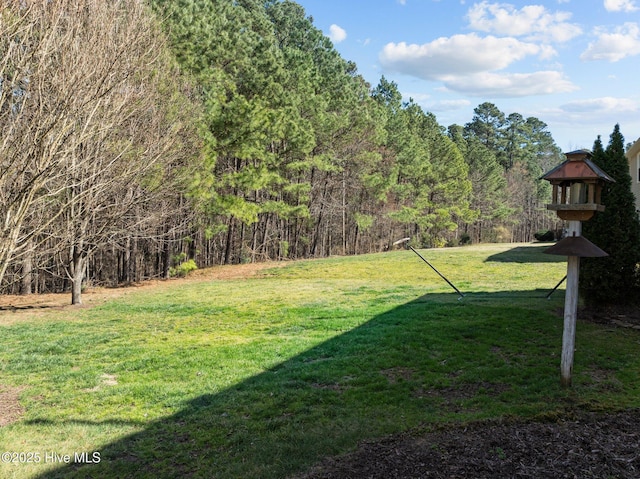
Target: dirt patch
(105, 380)
(10, 408)
(236, 271)
(587, 446)
(398, 374)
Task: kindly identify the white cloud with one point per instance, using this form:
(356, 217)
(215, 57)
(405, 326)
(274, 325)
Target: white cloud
(624, 41)
(458, 55)
(620, 5)
(337, 34)
(578, 123)
(509, 85)
(601, 106)
(468, 64)
(603, 112)
(531, 21)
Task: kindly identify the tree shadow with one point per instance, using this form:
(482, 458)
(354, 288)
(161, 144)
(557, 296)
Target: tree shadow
(526, 254)
(28, 307)
(414, 364)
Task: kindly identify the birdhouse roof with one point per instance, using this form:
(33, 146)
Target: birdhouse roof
(577, 167)
(576, 246)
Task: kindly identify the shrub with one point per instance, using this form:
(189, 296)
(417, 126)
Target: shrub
(183, 269)
(544, 235)
(500, 234)
(465, 239)
(612, 280)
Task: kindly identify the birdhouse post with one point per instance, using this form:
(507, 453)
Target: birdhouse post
(577, 188)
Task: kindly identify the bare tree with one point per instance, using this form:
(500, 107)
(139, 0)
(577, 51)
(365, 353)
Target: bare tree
(89, 124)
(34, 129)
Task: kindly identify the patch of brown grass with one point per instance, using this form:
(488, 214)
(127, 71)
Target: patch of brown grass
(10, 408)
(16, 307)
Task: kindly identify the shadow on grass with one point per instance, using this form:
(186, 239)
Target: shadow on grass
(28, 307)
(527, 254)
(83, 422)
(432, 360)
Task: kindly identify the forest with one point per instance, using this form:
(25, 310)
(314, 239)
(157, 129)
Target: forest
(141, 139)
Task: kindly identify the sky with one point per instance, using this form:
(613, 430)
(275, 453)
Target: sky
(574, 64)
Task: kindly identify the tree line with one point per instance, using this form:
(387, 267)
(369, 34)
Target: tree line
(136, 136)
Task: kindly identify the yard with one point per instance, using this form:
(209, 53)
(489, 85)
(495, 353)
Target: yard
(343, 367)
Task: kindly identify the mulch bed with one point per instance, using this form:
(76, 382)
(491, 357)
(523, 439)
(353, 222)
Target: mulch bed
(622, 316)
(589, 446)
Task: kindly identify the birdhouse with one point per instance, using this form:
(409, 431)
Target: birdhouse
(577, 187)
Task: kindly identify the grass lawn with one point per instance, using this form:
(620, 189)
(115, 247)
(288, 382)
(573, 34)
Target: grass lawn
(263, 377)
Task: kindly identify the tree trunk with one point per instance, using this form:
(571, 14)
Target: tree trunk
(133, 262)
(27, 272)
(227, 250)
(166, 255)
(126, 263)
(344, 215)
(316, 232)
(78, 263)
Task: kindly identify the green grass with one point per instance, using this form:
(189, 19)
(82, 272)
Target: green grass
(262, 378)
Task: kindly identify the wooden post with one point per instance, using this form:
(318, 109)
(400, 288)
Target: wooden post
(580, 180)
(570, 310)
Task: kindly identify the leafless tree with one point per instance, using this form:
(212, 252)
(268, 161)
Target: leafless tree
(89, 125)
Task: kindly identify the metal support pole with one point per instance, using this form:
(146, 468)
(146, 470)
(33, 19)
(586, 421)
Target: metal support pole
(557, 286)
(438, 272)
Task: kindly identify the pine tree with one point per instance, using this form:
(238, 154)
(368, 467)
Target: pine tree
(489, 198)
(613, 280)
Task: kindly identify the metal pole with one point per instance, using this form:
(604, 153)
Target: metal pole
(557, 286)
(439, 273)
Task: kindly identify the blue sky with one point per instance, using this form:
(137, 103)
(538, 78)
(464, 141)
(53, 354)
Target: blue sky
(574, 64)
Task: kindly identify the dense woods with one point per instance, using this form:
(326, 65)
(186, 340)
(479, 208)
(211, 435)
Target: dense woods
(139, 138)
